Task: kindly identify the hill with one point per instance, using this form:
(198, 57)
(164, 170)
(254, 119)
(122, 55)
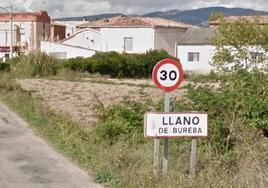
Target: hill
(197, 17)
(200, 16)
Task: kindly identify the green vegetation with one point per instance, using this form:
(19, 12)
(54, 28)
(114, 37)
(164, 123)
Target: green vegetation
(215, 16)
(241, 45)
(34, 64)
(4, 67)
(111, 64)
(117, 154)
(118, 65)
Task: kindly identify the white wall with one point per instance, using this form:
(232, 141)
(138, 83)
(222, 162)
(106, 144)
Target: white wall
(5, 35)
(88, 38)
(112, 39)
(167, 37)
(31, 33)
(65, 50)
(206, 53)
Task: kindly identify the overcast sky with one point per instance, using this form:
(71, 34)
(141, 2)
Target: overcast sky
(63, 8)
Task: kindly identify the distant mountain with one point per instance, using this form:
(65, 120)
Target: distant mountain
(200, 16)
(88, 18)
(197, 17)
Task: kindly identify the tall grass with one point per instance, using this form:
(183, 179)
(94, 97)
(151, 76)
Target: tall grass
(35, 64)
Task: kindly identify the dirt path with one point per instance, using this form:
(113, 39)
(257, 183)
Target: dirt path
(77, 99)
(27, 161)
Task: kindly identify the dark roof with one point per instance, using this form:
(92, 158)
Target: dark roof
(198, 36)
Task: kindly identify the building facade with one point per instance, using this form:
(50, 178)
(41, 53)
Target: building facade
(5, 40)
(33, 27)
(195, 50)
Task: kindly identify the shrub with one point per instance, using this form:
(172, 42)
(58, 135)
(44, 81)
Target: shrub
(123, 119)
(36, 64)
(4, 67)
(118, 65)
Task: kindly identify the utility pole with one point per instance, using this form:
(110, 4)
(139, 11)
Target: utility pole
(11, 32)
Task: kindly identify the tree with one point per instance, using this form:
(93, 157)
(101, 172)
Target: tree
(242, 44)
(215, 16)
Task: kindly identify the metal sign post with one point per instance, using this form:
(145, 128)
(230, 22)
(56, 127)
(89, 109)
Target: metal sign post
(165, 158)
(156, 156)
(167, 76)
(193, 161)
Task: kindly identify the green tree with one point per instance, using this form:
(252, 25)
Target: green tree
(215, 16)
(241, 44)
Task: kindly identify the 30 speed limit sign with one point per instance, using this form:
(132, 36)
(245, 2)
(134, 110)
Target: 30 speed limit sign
(168, 75)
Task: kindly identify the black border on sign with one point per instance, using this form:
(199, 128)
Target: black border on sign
(161, 63)
(145, 125)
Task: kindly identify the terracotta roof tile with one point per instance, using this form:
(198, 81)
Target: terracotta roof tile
(128, 21)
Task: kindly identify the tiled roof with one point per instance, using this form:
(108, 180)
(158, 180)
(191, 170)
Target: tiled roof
(198, 36)
(262, 19)
(128, 21)
(41, 16)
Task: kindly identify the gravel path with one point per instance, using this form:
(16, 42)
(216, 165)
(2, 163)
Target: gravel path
(27, 161)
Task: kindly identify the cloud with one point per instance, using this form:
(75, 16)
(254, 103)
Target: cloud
(90, 7)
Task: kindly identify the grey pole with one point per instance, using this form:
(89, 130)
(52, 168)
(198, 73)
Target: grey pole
(156, 157)
(193, 161)
(165, 158)
(11, 33)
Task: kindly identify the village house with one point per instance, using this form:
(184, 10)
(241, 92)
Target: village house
(33, 27)
(195, 49)
(126, 34)
(5, 40)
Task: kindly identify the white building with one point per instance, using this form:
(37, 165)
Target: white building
(137, 34)
(65, 51)
(86, 38)
(195, 50)
(5, 40)
(127, 34)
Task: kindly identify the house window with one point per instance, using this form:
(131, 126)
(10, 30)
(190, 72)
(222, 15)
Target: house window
(128, 43)
(193, 56)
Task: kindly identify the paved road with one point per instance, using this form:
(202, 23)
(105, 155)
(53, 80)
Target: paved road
(27, 161)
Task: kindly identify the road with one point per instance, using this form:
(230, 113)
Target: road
(27, 161)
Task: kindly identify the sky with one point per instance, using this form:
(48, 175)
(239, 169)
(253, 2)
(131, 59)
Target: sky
(66, 8)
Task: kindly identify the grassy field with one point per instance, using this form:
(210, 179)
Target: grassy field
(115, 153)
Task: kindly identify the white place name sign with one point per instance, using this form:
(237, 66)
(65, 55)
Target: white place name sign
(178, 124)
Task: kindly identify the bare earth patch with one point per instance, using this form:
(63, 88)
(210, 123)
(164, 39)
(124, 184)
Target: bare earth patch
(77, 99)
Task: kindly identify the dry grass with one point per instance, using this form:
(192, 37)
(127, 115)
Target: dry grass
(78, 98)
(244, 166)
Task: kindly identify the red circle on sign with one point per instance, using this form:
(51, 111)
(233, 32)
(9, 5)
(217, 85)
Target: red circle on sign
(159, 65)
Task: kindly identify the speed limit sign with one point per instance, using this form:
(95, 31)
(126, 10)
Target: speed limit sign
(168, 75)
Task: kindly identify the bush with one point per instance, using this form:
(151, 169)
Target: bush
(123, 120)
(118, 65)
(243, 95)
(4, 67)
(36, 64)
